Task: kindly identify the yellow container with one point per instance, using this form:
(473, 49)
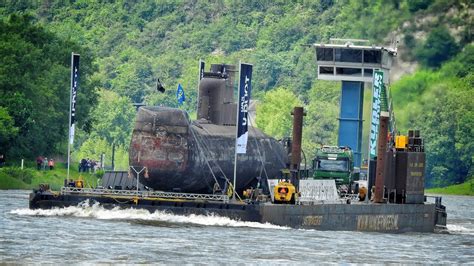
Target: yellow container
(284, 192)
(79, 183)
(401, 142)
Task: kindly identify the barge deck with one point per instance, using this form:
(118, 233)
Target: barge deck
(360, 216)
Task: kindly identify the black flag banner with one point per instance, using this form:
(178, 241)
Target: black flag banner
(245, 87)
(74, 88)
(201, 69)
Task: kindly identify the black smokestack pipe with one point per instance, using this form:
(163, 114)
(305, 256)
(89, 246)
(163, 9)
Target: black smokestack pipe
(298, 113)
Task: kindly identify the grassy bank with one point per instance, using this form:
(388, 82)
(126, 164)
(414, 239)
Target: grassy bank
(29, 178)
(466, 188)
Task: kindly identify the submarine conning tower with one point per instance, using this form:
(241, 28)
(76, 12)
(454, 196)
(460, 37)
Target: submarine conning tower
(216, 95)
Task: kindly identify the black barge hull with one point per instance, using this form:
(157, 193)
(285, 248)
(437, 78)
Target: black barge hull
(393, 218)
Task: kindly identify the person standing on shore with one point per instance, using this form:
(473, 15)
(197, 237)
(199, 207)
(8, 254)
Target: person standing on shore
(45, 163)
(39, 162)
(82, 165)
(93, 166)
(2, 160)
(88, 165)
(51, 164)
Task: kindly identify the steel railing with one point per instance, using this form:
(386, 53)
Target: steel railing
(143, 194)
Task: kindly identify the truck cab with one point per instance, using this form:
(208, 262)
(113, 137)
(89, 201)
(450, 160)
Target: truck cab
(333, 162)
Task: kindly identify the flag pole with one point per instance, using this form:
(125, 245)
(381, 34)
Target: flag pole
(236, 136)
(201, 75)
(72, 106)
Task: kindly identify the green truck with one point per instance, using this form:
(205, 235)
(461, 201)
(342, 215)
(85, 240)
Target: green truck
(333, 162)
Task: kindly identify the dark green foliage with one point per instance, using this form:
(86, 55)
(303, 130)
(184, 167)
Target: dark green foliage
(321, 125)
(113, 118)
(438, 47)
(415, 5)
(410, 43)
(440, 104)
(7, 129)
(448, 126)
(25, 175)
(136, 42)
(325, 4)
(99, 173)
(34, 82)
(463, 64)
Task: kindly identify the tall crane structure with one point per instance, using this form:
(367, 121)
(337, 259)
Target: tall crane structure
(353, 65)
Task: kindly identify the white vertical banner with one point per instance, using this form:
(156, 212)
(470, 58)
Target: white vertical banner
(71, 134)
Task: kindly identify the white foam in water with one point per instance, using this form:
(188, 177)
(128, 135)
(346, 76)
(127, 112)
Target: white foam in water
(98, 212)
(454, 228)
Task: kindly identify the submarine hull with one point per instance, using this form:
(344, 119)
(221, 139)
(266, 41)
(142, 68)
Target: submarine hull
(184, 156)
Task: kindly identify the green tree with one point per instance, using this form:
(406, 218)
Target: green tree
(461, 66)
(320, 123)
(447, 125)
(415, 5)
(406, 92)
(274, 112)
(439, 103)
(112, 124)
(129, 75)
(113, 118)
(34, 82)
(7, 129)
(438, 47)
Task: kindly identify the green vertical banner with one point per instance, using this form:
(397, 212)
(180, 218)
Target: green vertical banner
(375, 117)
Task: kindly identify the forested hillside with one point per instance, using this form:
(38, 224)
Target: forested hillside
(126, 45)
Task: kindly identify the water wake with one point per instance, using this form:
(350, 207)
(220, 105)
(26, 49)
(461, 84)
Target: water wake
(85, 210)
(459, 229)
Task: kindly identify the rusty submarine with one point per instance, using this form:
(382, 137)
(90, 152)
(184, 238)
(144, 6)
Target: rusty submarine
(196, 156)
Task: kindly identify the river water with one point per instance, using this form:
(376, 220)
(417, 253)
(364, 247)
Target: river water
(92, 234)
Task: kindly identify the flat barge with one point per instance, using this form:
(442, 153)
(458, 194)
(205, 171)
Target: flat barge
(186, 162)
(392, 218)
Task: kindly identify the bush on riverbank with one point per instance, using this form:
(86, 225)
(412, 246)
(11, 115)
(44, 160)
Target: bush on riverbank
(23, 175)
(466, 188)
(30, 178)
